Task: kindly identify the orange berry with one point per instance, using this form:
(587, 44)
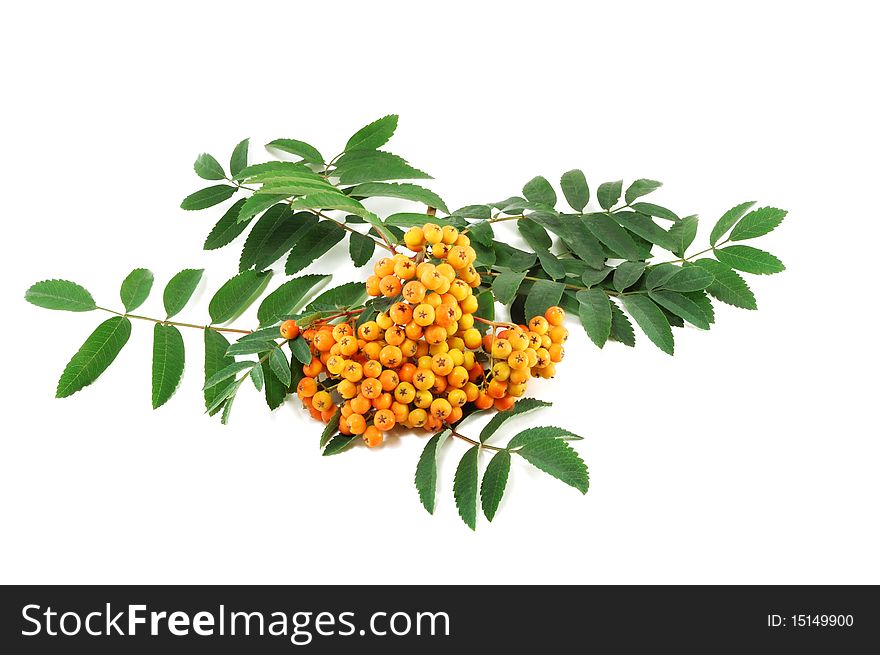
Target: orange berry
(384, 419)
(384, 267)
(369, 331)
(518, 340)
(413, 330)
(558, 334)
(341, 330)
(401, 313)
(327, 414)
(432, 232)
(347, 389)
(372, 369)
(406, 372)
(371, 388)
(400, 411)
(519, 375)
(373, 286)
(547, 372)
(505, 403)
(442, 364)
(404, 393)
(557, 352)
(458, 377)
(352, 371)
(405, 269)
(289, 329)
(306, 388)
(343, 427)
(423, 315)
(497, 389)
(373, 348)
(390, 286)
(313, 368)
(389, 380)
(501, 349)
(444, 315)
(450, 234)
(322, 400)
(542, 358)
(360, 404)
(384, 401)
(356, 423)
(439, 250)
(516, 390)
(446, 271)
(436, 334)
(469, 305)
(555, 315)
(391, 356)
(417, 418)
(456, 397)
(484, 401)
(440, 408)
(414, 292)
(395, 335)
(372, 436)
(439, 385)
(423, 399)
(423, 379)
(455, 415)
(414, 238)
(314, 413)
(457, 257)
(472, 391)
(348, 345)
(539, 324)
(488, 341)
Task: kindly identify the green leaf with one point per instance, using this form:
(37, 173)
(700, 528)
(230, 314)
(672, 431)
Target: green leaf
(574, 234)
(482, 233)
(542, 295)
(485, 308)
(250, 346)
(681, 306)
(208, 168)
(299, 186)
(505, 286)
(426, 470)
(621, 328)
(521, 406)
(331, 428)
(339, 443)
(512, 258)
(227, 228)
(750, 260)
(215, 361)
(411, 219)
(208, 197)
(312, 244)
(342, 297)
(606, 230)
(689, 278)
(728, 286)
(273, 235)
(656, 211)
(302, 149)
(641, 188)
(728, 220)
(287, 298)
(535, 235)
(464, 487)
(494, 483)
(60, 294)
(228, 371)
(595, 314)
(404, 191)
(344, 203)
(591, 277)
(256, 204)
(643, 226)
(94, 356)
(225, 395)
(478, 212)
(682, 234)
(372, 136)
(609, 193)
(279, 365)
(539, 190)
(258, 377)
(651, 319)
(575, 189)
(375, 166)
(236, 295)
(276, 170)
(555, 457)
(487, 256)
(757, 223)
(168, 362)
(275, 391)
(180, 289)
(627, 274)
(532, 435)
(238, 160)
(701, 298)
(360, 248)
(300, 350)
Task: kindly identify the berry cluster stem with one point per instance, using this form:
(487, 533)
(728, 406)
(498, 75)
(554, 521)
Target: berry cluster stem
(472, 442)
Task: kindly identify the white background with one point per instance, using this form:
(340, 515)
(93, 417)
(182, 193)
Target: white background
(751, 456)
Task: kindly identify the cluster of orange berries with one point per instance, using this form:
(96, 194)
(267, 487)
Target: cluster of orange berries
(421, 361)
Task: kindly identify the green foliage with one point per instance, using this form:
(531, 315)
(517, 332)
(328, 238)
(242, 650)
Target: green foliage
(494, 483)
(682, 234)
(208, 197)
(94, 356)
(521, 406)
(360, 166)
(651, 320)
(239, 159)
(640, 188)
(136, 288)
(749, 260)
(168, 362)
(339, 443)
(227, 228)
(464, 487)
(575, 189)
(208, 168)
(312, 244)
(727, 286)
(506, 284)
(287, 298)
(539, 190)
(274, 234)
(757, 223)
(360, 248)
(331, 428)
(426, 470)
(555, 457)
(302, 149)
(595, 315)
(404, 191)
(728, 220)
(609, 193)
(543, 294)
(60, 294)
(215, 361)
(236, 295)
(373, 136)
(180, 289)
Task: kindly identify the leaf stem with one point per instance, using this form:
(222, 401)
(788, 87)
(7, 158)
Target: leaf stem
(497, 219)
(472, 442)
(567, 286)
(176, 323)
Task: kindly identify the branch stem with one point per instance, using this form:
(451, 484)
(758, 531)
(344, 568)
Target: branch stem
(176, 323)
